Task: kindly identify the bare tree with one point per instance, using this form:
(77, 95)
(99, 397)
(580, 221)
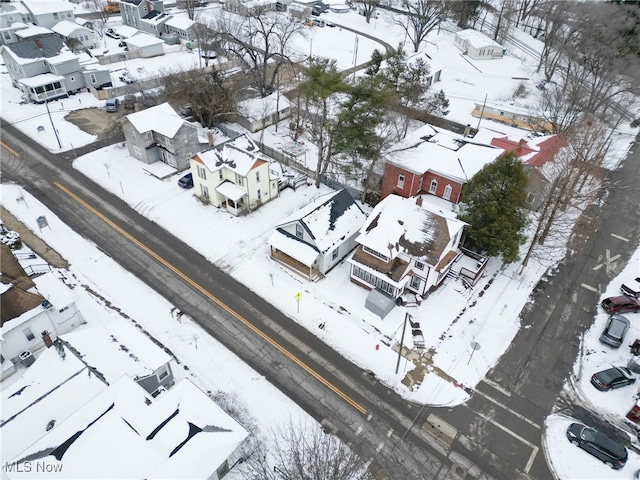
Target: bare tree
(208, 41)
(302, 452)
(367, 8)
(102, 10)
(420, 19)
(504, 20)
(262, 42)
(574, 177)
(191, 7)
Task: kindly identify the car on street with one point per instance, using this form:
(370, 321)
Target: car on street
(612, 453)
(615, 331)
(621, 304)
(186, 181)
(611, 378)
(631, 288)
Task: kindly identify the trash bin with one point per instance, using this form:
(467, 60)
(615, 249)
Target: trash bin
(27, 358)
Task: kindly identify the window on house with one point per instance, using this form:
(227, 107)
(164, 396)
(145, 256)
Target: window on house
(433, 187)
(73, 79)
(400, 181)
(29, 334)
(163, 373)
(419, 265)
(137, 152)
(375, 254)
(202, 173)
(92, 78)
(259, 195)
(55, 16)
(63, 309)
(530, 198)
(220, 176)
(223, 469)
(415, 282)
(447, 192)
(299, 231)
(334, 255)
(258, 176)
(7, 35)
(204, 191)
(239, 179)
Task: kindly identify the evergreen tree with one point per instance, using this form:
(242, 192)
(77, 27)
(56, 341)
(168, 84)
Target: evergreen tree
(493, 204)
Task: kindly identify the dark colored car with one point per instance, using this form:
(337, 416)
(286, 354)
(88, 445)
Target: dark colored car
(186, 181)
(613, 454)
(615, 331)
(621, 304)
(612, 378)
(631, 288)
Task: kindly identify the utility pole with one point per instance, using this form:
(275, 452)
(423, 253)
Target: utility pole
(404, 328)
(52, 125)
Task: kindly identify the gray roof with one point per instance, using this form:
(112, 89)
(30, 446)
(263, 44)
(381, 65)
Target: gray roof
(134, 2)
(37, 47)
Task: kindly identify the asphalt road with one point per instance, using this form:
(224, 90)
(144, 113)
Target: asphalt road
(496, 434)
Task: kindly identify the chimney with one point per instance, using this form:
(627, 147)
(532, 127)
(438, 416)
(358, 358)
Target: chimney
(467, 130)
(37, 42)
(419, 201)
(521, 145)
(210, 138)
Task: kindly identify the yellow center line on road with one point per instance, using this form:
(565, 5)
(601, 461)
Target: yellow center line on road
(9, 149)
(195, 285)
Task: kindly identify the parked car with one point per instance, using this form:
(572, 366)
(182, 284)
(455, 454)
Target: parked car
(149, 98)
(112, 105)
(319, 22)
(612, 453)
(631, 288)
(127, 78)
(615, 331)
(130, 102)
(111, 33)
(186, 181)
(621, 304)
(612, 378)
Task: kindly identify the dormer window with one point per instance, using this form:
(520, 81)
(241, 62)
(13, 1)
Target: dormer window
(299, 231)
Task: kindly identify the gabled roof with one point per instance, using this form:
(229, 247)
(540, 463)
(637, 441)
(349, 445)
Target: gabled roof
(161, 118)
(125, 31)
(477, 39)
(400, 225)
(239, 155)
(257, 108)
(66, 28)
(534, 152)
(181, 23)
(143, 40)
(31, 31)
(446, 153)
(41, 7)
(46, 46)
(329, 219)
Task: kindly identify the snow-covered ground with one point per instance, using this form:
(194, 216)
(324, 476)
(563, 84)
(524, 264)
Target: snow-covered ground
(451, 327)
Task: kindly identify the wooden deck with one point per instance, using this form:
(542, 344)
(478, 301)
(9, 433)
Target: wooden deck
(310, 274)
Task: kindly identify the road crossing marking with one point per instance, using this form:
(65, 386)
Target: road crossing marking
(619, 237)
(497, 386)
(607, 262)
(504, 407)
(589, 287)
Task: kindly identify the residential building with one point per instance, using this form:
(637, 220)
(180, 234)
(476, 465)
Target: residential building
(71, 33)
(160, 134)
(182, 27)
(512, 115)
(46, 13)
(435, 69)
(133, 11)
(154, 22)
(34, 311)
(477, 45)
(144, 45)
(435, 162)
(250, 7)
(44, 69)
(13, 16)
(320, 235)
(405, 245)
(234, 176)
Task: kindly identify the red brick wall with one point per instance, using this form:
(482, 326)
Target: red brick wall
(442, 183)
(390, 182)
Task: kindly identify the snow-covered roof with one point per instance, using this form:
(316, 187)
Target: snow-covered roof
(231, 190)
(117, 349)
(477, 39)
(126, 31)
(181, 434)
(303, 252)
(445, 153)
(32, 31)
(329, 219)
(433, 66)
(55, 291)
(143, 40)
(400, 225)
(66, 28)
(42, 79)
(181, 23)
(258, 108)
(41, 7)
(161, 118)
(239, 155)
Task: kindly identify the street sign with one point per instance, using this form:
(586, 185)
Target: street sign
(298, 296)
(42, 222)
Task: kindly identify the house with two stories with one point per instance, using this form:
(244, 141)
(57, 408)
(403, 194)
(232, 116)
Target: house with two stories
(160, 134)
(435, 162)
(46, 13)
(477, 45)
(44, 68)
(13, 16)
(133, 11)
(174, 433)
(35, 311)
(234, 176)
(250, 7)
(75, 36)
(314, 239)
(406, 245)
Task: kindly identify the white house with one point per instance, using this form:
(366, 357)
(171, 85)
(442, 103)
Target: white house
(182, 27)
(317, 237)
(13, 16)
(405, 245)
(258, 113)
(46, 13)
(71, 30)
(477, 45)
(435, 69)
(234, 176)
(145, 46)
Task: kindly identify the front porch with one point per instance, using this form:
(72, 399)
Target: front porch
(42, 88)
(310, 273)
(233, 197)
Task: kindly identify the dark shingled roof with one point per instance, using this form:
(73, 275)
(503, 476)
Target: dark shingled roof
(16, 300)
(37, 47)
(340, 203)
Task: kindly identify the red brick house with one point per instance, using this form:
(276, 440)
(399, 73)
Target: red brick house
(435, 162)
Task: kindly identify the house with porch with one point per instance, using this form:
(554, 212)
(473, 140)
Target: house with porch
(436, 162)
(234, 176)
(35, 311)
(477, 45)
(406, 245)
(44, 69)
(314, 239)
(160, 134)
